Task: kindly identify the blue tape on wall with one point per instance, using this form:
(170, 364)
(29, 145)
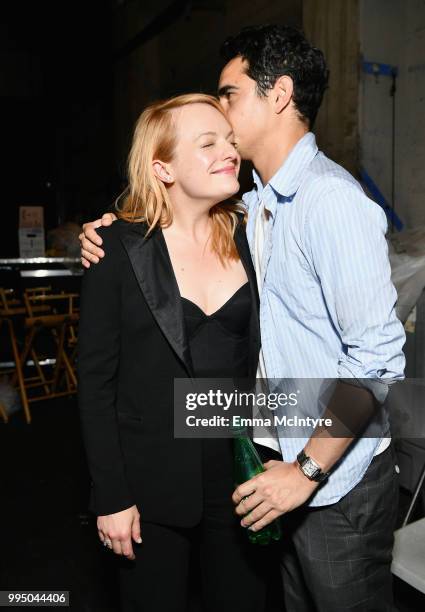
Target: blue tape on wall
(379, 198)
(377, 69)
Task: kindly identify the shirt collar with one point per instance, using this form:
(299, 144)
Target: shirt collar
(288, 177)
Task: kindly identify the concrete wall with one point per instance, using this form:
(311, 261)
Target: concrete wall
(393, 32)
(333, 26)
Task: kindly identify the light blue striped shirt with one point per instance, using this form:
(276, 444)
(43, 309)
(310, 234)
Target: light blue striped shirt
(327, 302)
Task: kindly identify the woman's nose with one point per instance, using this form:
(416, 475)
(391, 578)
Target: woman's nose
(230, 152)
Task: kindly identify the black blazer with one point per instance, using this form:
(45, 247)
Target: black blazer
(132, 344)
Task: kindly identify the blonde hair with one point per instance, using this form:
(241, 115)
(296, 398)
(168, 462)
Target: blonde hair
(147, 199)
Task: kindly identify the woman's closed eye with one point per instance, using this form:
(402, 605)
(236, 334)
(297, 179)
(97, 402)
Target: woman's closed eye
(211, 144)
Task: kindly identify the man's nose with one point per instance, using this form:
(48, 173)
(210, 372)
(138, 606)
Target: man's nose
(224, 102)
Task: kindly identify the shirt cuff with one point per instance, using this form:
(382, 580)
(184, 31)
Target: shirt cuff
(354, 375)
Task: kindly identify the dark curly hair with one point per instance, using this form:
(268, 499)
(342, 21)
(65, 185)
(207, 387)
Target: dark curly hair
(273, 51)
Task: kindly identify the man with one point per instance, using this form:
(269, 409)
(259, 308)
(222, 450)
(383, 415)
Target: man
(327, 312)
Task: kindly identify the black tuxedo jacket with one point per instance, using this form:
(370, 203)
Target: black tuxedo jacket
(132, 344)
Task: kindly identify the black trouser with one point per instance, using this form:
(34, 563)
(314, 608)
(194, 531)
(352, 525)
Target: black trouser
(338, 557)
(233, 571)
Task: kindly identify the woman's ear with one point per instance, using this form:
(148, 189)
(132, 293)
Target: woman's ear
(162, 171)
(282, 93)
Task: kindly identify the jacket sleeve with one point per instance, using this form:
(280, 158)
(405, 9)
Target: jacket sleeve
(98, 363)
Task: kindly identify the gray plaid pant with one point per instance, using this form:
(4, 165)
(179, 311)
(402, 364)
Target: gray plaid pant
(338, 557)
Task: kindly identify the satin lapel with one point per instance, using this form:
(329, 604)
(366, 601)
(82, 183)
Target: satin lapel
(154, 273)
(245, 255)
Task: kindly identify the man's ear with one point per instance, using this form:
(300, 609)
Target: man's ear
(282, 93)
(162, 171)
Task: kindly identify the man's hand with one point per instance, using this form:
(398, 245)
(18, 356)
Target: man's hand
(280, 489)
(118, 529)
(90, 240)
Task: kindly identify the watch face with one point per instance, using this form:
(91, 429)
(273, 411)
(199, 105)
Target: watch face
(310, 469)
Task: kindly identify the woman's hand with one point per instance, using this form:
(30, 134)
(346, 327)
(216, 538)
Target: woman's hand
(118, 529)
(90, 240)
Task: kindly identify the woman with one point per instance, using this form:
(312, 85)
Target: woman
(175, 297)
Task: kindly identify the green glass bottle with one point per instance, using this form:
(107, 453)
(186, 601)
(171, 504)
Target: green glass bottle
(247, 463)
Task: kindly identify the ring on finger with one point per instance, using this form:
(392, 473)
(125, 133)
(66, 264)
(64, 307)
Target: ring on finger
(243, 500)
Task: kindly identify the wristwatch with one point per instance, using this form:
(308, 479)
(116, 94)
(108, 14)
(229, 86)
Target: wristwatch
(310, 468)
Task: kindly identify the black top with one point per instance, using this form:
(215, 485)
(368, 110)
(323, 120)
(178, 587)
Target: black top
(219, 346)
(219, 343)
